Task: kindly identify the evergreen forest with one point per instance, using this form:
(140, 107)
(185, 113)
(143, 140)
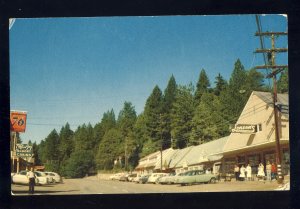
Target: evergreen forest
(177, 117)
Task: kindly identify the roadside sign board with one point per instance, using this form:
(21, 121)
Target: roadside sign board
(24, 150)
(18, 121)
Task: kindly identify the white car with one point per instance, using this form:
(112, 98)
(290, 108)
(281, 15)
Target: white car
(131, 176)
(42, 177)
(55, 176)
(136, 179)
(155, 176)
(166, 179)
(116, 176)
(21, 178)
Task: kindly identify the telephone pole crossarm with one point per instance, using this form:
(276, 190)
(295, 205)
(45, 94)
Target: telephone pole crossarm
(271, 66)
(271, 50)
(270, 33)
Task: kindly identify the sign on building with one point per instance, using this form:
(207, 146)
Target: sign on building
(24, 150)
(244, 128)
(18, 121)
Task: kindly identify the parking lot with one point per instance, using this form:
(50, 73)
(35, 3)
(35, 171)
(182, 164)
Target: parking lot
(94, 185)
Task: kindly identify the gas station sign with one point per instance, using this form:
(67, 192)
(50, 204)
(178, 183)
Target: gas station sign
(18, 121)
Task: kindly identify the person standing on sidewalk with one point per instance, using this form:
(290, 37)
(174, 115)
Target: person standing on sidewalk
(269, 170)
(261, 172)
(242, 173)
(273, 171)
(31, 177)
(249, 172)
(236, 172)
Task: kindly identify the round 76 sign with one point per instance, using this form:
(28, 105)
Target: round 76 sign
(18, 121)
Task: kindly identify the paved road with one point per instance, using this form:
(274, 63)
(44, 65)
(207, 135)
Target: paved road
(92, 185)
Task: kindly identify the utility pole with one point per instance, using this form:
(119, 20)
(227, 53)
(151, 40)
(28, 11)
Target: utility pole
(161, 145)
(275, 70)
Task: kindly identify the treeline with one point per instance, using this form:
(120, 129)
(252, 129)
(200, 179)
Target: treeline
(179, 116)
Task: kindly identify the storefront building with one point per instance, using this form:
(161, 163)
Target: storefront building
(203, 156)
(252, 140)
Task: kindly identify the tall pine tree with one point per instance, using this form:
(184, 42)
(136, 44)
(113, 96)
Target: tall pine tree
(234, 98)
(181, 116)
(152, 116)
(168, 100)
(66, 145)
(221, 85)
(207, 122)
(202, 86)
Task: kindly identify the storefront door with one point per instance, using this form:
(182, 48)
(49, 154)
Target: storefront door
(254, 161)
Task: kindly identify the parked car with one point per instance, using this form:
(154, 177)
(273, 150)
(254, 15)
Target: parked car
(137, 178)
(132, 176)
(196, 176)
(21, 178)
(55, 176)
(116, 176)
(144, 178)
(169, 179)
(155, 176)
(43, 178)
(124, 177)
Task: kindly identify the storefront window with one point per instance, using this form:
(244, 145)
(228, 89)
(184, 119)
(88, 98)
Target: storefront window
(271, 157)
(229, 165)
(241, 161)
(254, 161)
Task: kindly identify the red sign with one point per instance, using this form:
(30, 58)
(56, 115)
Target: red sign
(18, 121)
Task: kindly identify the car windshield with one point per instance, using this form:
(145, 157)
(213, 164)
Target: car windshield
(190, 173)
(40, 174)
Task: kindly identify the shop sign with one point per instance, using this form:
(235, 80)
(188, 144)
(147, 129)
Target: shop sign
(24, 150)
(18, 121)
(244, 128)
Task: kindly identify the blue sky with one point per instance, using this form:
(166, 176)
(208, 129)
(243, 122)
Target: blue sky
(75, 69)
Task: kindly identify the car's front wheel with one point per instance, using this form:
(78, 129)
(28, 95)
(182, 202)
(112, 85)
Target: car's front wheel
(213, 180)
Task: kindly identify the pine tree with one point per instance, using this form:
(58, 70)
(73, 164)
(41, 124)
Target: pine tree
(283, 82)
(181, 116)
(234, 98)
(202, 86)
(168, 100)
(37, 160)
(207, 122)
(66, 144)
(80, 164)
(140, 131)
(83, 138)
(126, 119)
(152, 114)
(109, 149)
(125, 123)
(51, 152)
(255, 81)
(221, 85)
(108, 120)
